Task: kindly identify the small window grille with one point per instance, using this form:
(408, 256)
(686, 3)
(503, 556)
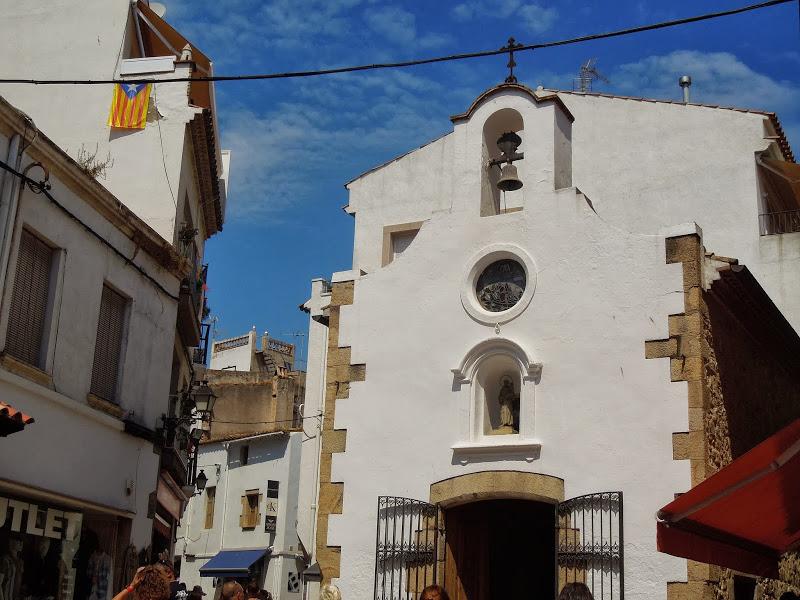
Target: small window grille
(272, 488)
(30, 300)
(108, 347)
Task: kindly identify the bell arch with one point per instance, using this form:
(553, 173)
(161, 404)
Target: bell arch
(503, 121)
(497, 485)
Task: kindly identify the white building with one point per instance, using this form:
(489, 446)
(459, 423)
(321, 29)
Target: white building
(89, 296)
(243, 525)
(172, 175)
(483, 362)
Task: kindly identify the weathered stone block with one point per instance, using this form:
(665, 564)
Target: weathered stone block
(330, 498)
(689, 368)
(342, 293)
(680, 445)
(683, 248)
(334, 440)
(660, 348)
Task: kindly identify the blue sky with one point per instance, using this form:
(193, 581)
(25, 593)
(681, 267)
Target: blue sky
(296, 142)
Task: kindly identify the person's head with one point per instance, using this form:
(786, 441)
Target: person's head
(196, 593)
(330, 592)
(232, 591)
(164, 566)
(434, 592)
(264, 595)
(152, 584)
(251, 590)
(575, 591)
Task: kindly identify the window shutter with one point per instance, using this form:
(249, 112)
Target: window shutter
(108, 348)
(28, 312)
(245, 512)
(257, 519)
(211, 496)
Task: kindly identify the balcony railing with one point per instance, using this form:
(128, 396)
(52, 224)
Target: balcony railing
(786, 221)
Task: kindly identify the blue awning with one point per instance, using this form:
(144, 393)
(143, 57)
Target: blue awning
(232, 563)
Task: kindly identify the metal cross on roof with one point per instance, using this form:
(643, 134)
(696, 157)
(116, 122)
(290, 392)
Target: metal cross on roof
(510, 47)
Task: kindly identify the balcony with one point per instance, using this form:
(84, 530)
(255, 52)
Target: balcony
(785, 221)
(190, 305)
(174, 463)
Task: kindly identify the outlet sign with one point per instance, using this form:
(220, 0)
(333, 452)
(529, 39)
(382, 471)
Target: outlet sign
(32, 519)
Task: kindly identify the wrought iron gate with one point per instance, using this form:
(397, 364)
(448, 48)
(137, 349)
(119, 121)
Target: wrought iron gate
(590, 544)
(405, 561)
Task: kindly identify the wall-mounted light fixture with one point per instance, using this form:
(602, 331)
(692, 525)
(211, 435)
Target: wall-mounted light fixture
(509, 178)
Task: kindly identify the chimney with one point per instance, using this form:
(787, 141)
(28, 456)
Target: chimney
(685, 82)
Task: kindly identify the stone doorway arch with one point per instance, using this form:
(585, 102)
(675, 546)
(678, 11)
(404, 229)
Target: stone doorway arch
(497, 485)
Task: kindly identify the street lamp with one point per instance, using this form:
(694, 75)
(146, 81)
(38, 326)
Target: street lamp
(204, 398)
(200, 482)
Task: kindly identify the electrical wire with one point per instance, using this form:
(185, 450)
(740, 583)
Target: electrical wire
(316, 416)
(413, 63)
(42, 188)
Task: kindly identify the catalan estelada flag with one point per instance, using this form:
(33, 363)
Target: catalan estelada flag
(129, 106)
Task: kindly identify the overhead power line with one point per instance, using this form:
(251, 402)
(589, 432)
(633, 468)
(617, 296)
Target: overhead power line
(413, 63)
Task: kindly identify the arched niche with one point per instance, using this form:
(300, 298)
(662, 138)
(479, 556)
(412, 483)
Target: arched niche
(495, 373)
(500, 122)
(496, 485)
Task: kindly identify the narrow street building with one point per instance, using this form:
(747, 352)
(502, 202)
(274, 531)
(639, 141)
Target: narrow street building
(156, 148)
(243, 524)
(491, 420)
(89, 296)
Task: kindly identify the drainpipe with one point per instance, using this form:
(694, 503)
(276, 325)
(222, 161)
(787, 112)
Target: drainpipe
(10, 187)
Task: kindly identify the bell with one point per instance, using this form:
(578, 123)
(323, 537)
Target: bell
(509, 180)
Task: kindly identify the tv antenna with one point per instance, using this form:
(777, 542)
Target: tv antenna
(588, 73)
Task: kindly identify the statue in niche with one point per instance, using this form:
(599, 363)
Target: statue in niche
(509, 405)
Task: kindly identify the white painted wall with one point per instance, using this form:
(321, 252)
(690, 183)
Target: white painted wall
(602, 413)
(153, 170)
(314, 404)
(73, 449)
(237, 358)
(271, 456)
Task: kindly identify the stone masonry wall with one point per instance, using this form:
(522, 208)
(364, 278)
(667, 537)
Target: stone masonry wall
(739, 393)
(340, 374)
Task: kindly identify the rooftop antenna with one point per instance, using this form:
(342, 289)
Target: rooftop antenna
(588, 73)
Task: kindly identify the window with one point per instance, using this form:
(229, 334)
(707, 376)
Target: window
(30, 301)
(211, 497)
(272, 488)
(250, 516)
(244, 454)
(108, 347)
(397, 239)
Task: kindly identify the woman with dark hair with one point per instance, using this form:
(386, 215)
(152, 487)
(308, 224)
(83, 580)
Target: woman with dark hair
(148, 583)
(575, 591)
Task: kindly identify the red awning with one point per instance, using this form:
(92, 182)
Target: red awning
(746, 515)
(12, 420)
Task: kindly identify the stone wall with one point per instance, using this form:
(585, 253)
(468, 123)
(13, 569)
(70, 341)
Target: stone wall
(340, 374)
(252, 403)
(735, 351)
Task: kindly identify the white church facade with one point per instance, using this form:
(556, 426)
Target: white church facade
(491, 422)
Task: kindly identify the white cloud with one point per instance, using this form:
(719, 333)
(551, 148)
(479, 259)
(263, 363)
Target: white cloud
(717, 78)
(328, 130)
(398, 26)
(534, 17)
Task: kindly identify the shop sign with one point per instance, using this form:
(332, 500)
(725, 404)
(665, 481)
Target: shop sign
(271, 515)
(24, 517)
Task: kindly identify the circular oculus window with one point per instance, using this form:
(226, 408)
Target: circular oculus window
(500, 285)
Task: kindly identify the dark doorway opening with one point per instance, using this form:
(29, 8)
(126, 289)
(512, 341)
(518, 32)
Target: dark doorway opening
(500, 549)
